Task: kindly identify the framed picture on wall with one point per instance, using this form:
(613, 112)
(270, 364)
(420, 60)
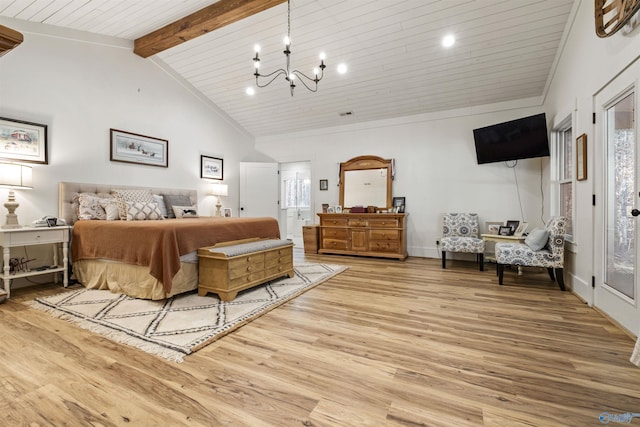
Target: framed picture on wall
(324, 184)
(211, 167)
(23, 141)
(130, 147)
(581, 157)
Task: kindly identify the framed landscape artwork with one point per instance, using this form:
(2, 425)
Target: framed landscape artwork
(129, 147)
(23, 141)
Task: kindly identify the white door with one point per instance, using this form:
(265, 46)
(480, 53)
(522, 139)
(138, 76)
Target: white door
(259, 189)
(616, 183)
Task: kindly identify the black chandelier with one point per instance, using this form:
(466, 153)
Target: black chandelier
(289, 75)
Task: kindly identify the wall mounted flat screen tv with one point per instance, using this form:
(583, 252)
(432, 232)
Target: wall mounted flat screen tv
(523, 138)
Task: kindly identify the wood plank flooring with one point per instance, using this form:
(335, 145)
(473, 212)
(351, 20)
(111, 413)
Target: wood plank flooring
(386, 343)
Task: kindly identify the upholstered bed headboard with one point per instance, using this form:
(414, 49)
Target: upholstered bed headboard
(67, 191)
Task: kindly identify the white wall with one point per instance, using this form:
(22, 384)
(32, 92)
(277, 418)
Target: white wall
(586, 65)
(81, 85)
(436, 167)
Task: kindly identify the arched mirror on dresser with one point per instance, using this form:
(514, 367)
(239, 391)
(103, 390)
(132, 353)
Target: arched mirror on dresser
(365, 182)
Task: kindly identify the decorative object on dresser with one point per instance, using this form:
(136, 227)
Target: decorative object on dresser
(379, 234)
(219, 190)
(542, 248)
(211, 168)
(29, 236)
(178, 326)
(22, 141)
(130, 147)
(460, 234)
(398, 204)
(14, 176)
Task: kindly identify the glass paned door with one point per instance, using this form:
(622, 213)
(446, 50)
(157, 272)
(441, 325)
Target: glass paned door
(621, 191)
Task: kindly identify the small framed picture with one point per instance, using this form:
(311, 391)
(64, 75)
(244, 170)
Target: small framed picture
(522, 227)
(228, 213)
(505, 230)
(324, 184)
(325, 207)
(211, 167)
(338, 209)
(514, 225)
(398, 204)
(130, 147)
(330, 209)
(492, 227)
(581, 157)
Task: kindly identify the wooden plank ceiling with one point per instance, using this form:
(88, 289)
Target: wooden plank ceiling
(505, 50)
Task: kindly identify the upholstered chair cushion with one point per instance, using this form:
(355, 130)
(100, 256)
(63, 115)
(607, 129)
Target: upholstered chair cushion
(462, 244)
(460, 234)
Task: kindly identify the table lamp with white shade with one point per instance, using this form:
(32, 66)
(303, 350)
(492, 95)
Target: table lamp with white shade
(14, 176)
(219, 190)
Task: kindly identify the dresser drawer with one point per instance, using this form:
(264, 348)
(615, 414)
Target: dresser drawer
(385, 234)
(335, 233)
(246, 279)
(36, 237)
(334, 222)
(335, 244)
(384, 223)
(357, 222)
(384, 246)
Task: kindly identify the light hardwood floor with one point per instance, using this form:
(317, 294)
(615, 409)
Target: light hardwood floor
(386, 343)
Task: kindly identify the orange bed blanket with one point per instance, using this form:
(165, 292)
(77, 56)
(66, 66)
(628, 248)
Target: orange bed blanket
(159, 244)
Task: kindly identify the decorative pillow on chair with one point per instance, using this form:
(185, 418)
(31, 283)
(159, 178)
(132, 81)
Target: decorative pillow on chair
(134, 196)
(185, 211)
(138, 211)
(537, 239)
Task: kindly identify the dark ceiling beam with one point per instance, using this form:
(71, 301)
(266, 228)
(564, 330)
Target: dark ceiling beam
(212, 17)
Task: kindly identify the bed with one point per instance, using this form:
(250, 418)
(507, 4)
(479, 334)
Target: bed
(151, 259)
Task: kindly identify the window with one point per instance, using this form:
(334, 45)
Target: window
(564, 173)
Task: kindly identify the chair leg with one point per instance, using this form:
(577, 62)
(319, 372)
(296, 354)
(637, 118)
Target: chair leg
(444, 259)
(551, 275)
(481, 260)
(500, 270)
(560, 277)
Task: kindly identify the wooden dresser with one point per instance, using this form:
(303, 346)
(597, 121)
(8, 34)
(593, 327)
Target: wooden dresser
(365, 234)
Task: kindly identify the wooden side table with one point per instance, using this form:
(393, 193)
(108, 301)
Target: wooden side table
(30, 236)
(491, 256)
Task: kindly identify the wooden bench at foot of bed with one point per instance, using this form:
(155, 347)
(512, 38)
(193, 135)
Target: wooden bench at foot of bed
(229, 268)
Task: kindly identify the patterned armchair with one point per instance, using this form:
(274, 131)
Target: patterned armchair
(460, 234)
(551, 256)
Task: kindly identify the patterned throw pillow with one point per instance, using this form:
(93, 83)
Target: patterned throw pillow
(111, 209)
(89, 207)
(185, 211)
(139, 211)
(171, 200)
(124, 196)
(161, 205)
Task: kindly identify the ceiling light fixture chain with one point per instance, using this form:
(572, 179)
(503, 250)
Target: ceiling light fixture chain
(289, 75)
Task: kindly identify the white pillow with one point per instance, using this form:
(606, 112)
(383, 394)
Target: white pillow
(537, 239)
(139, 211)
(161, 204)
(185, 211)
(125, 195)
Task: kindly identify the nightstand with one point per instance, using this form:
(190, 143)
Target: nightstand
(30, 236)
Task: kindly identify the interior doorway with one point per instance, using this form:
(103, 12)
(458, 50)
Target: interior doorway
(295, 207)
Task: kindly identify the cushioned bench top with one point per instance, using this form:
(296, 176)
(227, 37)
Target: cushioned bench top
(247, 248)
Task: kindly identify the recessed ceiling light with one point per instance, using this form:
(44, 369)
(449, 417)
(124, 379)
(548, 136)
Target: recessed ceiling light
(342, 68)
(250, 91)
(448, 40)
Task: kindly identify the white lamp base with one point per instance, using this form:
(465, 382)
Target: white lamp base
(12, 218)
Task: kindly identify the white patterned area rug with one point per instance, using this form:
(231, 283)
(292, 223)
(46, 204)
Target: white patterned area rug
(180, 325)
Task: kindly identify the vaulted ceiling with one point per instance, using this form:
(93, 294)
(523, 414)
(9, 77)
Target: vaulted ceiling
(397, 66)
